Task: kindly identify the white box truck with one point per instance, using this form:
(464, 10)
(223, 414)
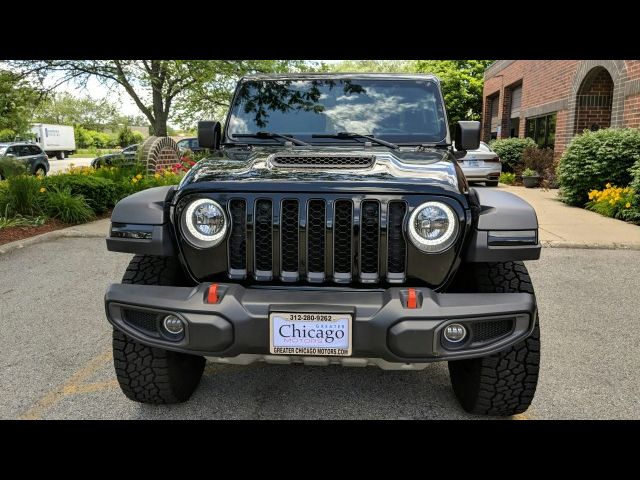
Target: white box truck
(56, 140)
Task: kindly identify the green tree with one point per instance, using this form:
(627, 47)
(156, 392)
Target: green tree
(462, 84)
(158, 86)
(18, 99)
(65, 109)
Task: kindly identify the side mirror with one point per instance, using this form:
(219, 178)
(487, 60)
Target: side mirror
(209, 134)
(467, 135)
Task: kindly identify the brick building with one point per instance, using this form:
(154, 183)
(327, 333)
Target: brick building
(552, 100)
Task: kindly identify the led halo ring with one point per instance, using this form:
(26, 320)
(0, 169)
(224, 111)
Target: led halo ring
(195, 237)
(445, 240)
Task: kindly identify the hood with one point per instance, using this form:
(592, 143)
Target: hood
(336, 169)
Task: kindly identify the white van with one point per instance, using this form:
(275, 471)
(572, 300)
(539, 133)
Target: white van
(55, 140)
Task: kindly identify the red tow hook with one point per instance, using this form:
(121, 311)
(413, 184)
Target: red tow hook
(412, 298)
(212, 294)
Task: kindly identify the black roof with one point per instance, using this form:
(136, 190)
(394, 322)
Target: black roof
(324, 75)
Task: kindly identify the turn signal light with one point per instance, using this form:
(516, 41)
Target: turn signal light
(412, 298)
(212, 294)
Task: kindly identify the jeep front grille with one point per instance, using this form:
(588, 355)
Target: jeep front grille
(321, 161)
(332, 239)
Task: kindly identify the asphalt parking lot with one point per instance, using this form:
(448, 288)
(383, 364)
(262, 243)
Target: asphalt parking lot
(55, 351)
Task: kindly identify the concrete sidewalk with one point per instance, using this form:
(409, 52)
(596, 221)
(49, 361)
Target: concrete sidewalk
(571, 227)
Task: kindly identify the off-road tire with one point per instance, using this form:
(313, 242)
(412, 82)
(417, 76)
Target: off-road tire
(149, 374)
(504, 383)
(491, 184)
(61, 155)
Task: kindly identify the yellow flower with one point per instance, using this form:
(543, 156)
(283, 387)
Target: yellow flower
(628, 205)
(157, 175)
(42, 190)
(138, 176)
(134, 180)
(608, 185)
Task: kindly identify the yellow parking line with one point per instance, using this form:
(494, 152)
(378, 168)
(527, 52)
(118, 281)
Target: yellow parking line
(50, 399)
(522, 416)
(90, 387)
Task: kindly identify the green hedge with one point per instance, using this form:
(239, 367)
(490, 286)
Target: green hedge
(510, 151)
(595, 158)
(100, 193)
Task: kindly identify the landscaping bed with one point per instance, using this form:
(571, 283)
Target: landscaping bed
(32, 205)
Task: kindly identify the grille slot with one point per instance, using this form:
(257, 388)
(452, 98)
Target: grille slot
(343, 254)
(145, 321)
(397, 248)
(316, 236)
(289, 247)
(264, 235)
(490, 330)
(317, 161)
(369, 237)
(238, 237)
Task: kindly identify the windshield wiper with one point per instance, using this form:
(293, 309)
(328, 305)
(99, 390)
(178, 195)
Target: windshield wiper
(356, 135)
(295, 141)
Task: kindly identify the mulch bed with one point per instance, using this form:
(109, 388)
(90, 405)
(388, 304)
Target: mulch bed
(12, 234)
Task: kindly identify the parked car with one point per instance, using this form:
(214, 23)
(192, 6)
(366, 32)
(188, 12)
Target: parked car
(482, 165)
(345, 234)
(127, 156)
(56, 140)
(28, 153)
(190, 144)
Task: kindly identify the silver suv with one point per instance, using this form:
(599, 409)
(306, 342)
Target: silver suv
(28, 153)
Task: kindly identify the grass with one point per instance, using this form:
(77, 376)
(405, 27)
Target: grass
(20, 221)
(93, 152)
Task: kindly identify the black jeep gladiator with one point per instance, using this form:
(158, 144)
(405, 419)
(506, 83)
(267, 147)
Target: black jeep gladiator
(331, 224)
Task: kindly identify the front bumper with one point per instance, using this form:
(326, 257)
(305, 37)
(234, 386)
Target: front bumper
(491, 172)
(383, 327)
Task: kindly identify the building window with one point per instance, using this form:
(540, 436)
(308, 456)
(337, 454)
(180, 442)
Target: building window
(542, 130)
(493, 108)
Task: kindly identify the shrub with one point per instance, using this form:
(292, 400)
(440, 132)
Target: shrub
(635, 176)
(595, 158)
(528, 172)
(21, 195)
(508, 178)
(510, 151)
(541, 161)
(99, 193)
(67, 207)
(7, 220)
(612, 201)
(127, 137)
(11, 167)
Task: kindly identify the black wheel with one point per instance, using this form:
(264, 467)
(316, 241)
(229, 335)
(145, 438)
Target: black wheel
(491, 184)
(149, 374)
(60, 155)
(503, 383)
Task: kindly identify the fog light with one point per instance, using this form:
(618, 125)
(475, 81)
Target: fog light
(173, 325)
(455, 332)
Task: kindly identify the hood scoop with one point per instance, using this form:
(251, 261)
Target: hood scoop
(324, 160)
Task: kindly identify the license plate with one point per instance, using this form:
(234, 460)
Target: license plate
(320, 334)
(475, 163)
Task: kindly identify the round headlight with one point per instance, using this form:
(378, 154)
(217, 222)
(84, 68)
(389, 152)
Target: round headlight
(433, 227)
(204, 223)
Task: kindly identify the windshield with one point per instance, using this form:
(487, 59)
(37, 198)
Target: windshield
(402, 111)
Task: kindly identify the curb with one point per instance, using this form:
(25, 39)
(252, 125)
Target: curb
(590, 246)
(70, 232)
